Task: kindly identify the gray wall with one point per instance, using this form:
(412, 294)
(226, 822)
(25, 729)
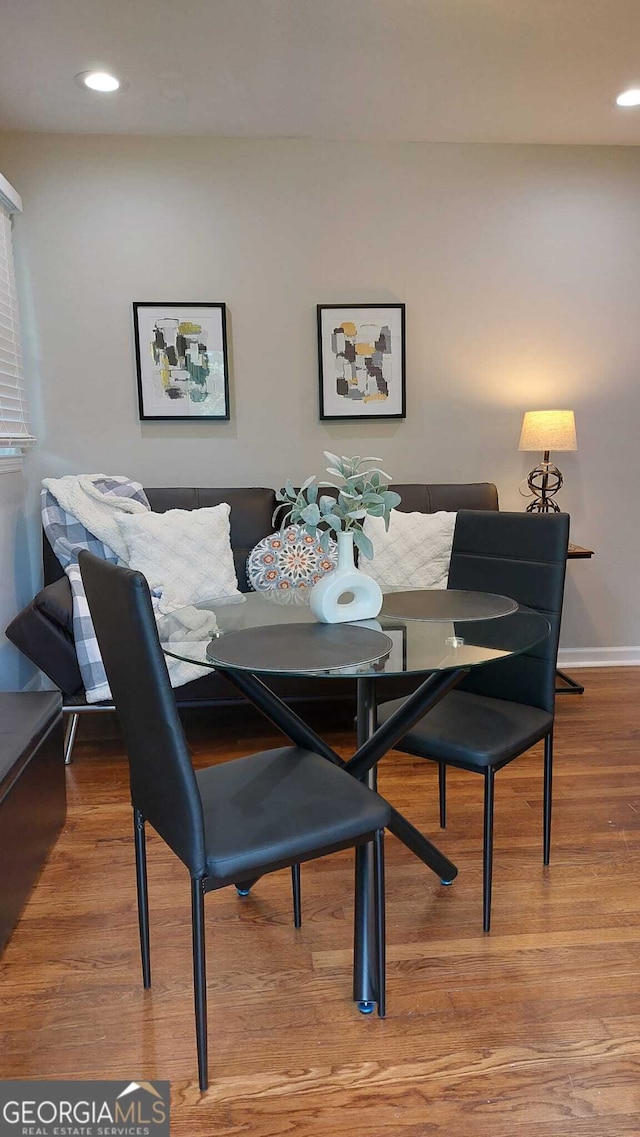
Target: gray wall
(17, 581)
(519, 266)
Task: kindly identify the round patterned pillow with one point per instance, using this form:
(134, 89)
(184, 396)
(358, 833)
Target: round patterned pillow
(289, 559)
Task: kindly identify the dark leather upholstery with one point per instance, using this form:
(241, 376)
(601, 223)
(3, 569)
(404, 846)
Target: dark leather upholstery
(56, 602)
(471, 731)
(501, 709)
(163, 784)
(280, 806)
(433, 498)
(231, 822)
(523, 556)
(237, 819)
(48, 644)
(43, 630)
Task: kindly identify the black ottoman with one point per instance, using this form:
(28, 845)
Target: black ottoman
(32, 794)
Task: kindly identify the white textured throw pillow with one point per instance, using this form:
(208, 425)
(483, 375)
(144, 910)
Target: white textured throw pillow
(185, 554)
(414, 553)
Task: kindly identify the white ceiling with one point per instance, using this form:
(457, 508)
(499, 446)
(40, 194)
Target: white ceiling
(412, 70)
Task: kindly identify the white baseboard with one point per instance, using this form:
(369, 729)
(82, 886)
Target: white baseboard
(599, 657)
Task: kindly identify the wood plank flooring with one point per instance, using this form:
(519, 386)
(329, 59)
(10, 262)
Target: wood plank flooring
(533, 1028)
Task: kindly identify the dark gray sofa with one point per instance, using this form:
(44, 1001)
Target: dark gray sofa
(43, 630)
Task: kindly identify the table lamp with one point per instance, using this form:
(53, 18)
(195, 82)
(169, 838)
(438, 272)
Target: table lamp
(546, 431)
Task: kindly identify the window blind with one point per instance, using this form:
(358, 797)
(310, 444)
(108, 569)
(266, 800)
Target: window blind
(14, 417)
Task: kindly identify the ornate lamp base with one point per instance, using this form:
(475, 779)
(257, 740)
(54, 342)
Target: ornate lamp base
(544, 482)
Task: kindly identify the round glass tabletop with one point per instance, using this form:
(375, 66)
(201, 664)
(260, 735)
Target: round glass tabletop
(408, 644)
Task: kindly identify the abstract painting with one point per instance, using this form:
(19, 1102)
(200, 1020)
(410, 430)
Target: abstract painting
(181, 358)
(361, 361)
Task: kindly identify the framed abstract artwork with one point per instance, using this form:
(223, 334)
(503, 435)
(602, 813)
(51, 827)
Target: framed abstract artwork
(181, 360)
(361, 361)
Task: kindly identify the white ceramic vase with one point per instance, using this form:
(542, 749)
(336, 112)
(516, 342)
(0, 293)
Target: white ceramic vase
(345, 579)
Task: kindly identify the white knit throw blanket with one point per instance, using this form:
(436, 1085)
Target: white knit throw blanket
(79, 496)
(190, 630)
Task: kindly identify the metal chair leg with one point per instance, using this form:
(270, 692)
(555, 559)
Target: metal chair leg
(487, 850)
(380, 920)
(70, 737)
(199, 979)
(297, 896)
(143, 894)
(547, 800)
(243, 887)
(442, 789)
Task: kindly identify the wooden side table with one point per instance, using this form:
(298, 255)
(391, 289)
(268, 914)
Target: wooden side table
(567, 685)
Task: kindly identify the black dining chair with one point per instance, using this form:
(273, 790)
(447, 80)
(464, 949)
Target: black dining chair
(228, 823)
(503, 708)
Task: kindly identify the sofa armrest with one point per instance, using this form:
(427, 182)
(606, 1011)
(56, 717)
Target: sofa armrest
(43, 631)
(56, 602)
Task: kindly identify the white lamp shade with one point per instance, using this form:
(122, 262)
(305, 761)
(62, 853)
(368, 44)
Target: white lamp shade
(548, 430)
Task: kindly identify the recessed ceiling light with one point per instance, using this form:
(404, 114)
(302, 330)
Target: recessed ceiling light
(101, 81)
(630, 98)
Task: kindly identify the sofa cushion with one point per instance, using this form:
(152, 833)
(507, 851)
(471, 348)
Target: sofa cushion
(432, 498)
(185, 554)
(251, 515)
(47, 644)
(56, 602)
(413, 553)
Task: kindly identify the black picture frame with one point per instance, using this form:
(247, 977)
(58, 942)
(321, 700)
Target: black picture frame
(375, 389)
(177, 368)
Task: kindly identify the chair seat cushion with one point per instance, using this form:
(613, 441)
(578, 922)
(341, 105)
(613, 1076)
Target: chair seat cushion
(473, 731)
(279, 806)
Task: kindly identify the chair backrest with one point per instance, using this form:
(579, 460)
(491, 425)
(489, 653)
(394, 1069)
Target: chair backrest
(524, 556)
(163, 783)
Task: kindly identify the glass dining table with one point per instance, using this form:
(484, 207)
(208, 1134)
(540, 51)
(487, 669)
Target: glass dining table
(434, 637)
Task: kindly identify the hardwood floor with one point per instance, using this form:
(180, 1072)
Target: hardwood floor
(535, 1027)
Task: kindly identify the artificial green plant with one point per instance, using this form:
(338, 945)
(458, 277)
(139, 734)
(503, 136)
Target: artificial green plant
(363, 490)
